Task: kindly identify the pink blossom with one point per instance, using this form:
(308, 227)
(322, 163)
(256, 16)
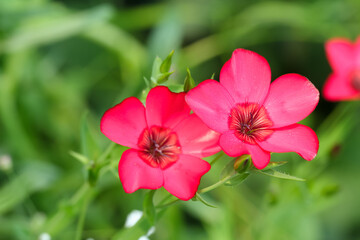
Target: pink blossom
(344, 82)
(253, 116)
(166, 143)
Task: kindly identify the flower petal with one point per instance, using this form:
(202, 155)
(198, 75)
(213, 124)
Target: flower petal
(341, 54)
(231, 145)
(124, 122)
(260, 158)
(338, 87)
(196, 138)
(182, 179)
(294, 138)
(291, 98)
(165, 108)
(212, 103)
(134, 173)
(246, 76)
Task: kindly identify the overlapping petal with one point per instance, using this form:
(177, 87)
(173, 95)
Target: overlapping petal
(291, 98)
(246, 76)
(231, 145)
(124, 122)
(212, 103)
(294, 138)
(183, 177)
(341, 55)
(134, 173)
(196, 138)
(338, 87)
(165, 108)
(260, 157)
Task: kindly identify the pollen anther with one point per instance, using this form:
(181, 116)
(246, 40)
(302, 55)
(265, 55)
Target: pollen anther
(250, 122)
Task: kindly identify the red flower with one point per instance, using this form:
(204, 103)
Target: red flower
(344, 58)
(253, 116)
(166, 143)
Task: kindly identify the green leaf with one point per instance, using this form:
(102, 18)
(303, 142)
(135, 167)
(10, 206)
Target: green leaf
(83, 159)
(201, 199)
(147, 82)
(237, 179)
(166, 64)
(189, 82)
(274, 165)
(277, 174)
(149, 208)
(155, 72)
(163, 77)
(213, 76)
(89, 146)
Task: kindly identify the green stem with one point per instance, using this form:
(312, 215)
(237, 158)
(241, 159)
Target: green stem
(168, 204)
(107, 152)
(215, 159)
(215, 185)
(80, 225)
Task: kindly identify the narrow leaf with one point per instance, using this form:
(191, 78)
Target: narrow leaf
(201, 199)
(163, 77)
(166, 64)
(147, 82)
(213, 76)
(236, 179)
(189, 82)
(274, 165)
(277, 174)
(89, 145)
(83, 159)
(155, 69)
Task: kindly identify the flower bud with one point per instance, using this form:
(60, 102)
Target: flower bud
(242, 163)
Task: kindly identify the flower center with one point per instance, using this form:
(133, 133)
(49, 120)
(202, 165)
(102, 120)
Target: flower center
(355, 80)
(250, 122)
(159, 147)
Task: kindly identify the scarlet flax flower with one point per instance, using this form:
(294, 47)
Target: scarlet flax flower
(166, 143)
(344, 58)
(253, 116)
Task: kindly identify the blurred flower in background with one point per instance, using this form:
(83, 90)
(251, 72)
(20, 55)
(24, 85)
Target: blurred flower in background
(344, 58)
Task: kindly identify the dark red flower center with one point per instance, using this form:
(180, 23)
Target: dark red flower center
(159, 147)
(355, 80)
(250, 122)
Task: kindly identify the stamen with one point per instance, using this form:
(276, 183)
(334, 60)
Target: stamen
(250, 122)
(159, 147)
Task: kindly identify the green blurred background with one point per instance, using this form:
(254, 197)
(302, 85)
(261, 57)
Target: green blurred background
(63, 63)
